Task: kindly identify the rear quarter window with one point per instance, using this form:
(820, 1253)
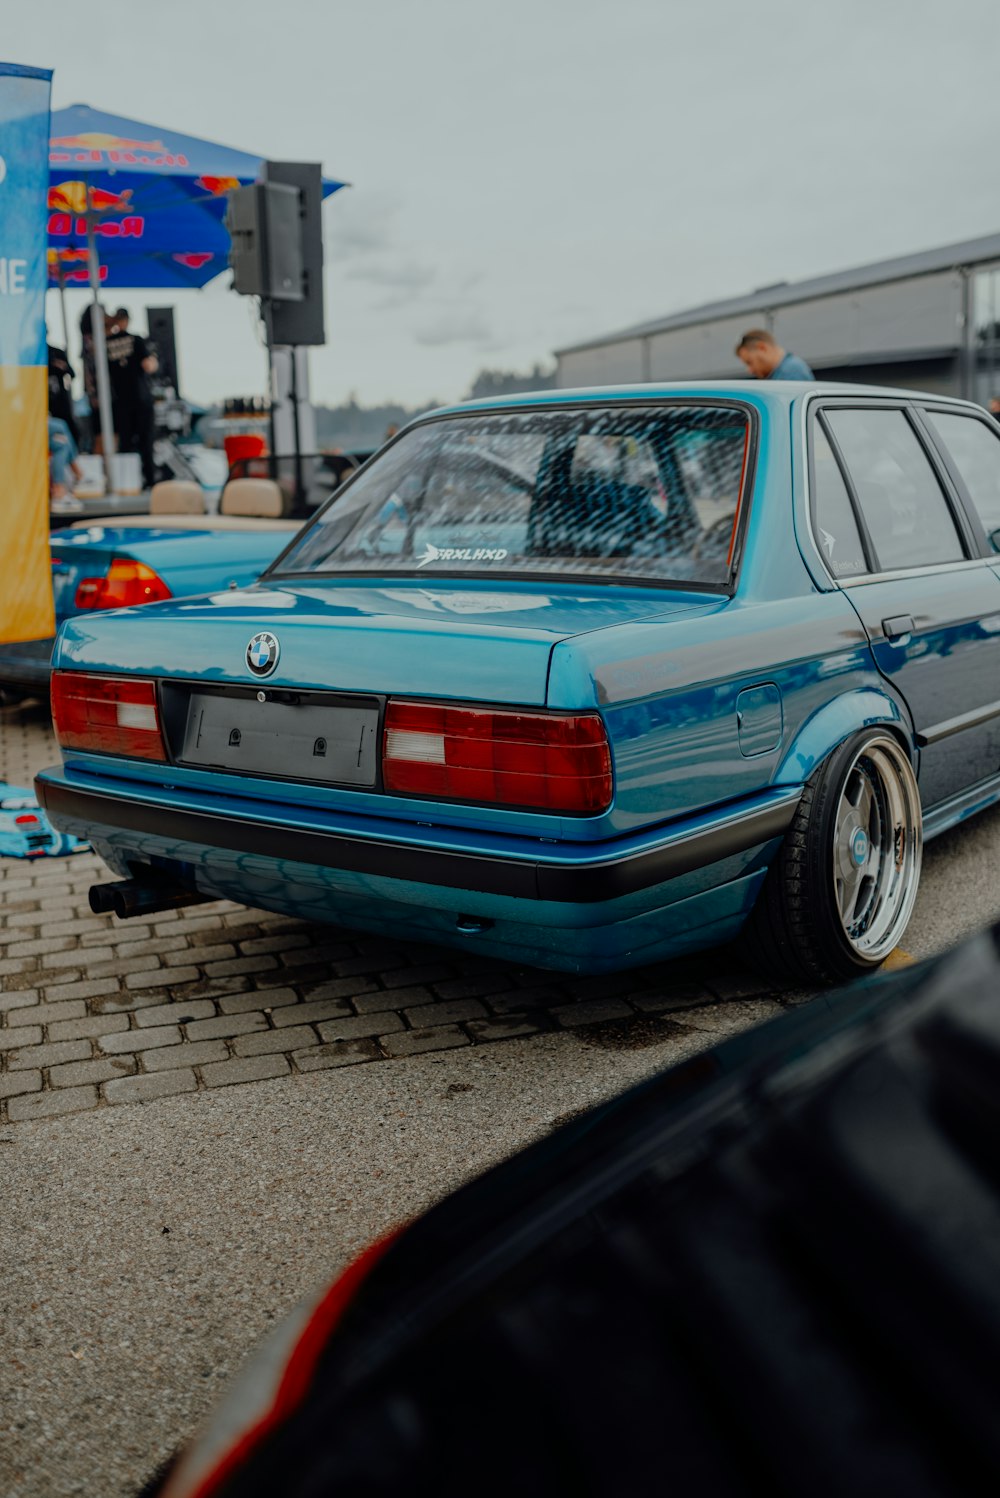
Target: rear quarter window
(904, 507)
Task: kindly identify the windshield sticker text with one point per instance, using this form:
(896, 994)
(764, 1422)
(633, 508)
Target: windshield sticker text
(462, 554)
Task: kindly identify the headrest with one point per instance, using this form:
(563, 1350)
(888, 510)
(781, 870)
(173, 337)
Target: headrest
(176, 497)
(256, 497)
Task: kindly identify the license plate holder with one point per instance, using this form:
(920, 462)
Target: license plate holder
(331, 742)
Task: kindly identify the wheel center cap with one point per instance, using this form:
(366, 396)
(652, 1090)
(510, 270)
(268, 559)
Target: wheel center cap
(859, 846)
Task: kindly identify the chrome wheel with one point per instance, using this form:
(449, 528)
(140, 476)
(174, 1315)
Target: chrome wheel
(877, 846)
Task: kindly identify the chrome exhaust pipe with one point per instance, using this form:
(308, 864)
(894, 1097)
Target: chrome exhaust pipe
(129, 897)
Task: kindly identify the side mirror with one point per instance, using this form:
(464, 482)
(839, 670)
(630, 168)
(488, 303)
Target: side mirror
(995, 539)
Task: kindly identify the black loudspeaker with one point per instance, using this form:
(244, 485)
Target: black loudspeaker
(265, 226)
(302, 322)
(160, 321)
(246, 240)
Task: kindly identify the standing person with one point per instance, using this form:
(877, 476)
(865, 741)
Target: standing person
(130, 363)
(93, 443)
(61, 373)
(767, 360)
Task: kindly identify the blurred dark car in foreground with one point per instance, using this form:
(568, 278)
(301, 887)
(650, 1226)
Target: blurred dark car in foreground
(772, 1270)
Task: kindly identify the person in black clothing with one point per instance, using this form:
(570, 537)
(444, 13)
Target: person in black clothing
(130, 363)
(61, 373)
(93, 439)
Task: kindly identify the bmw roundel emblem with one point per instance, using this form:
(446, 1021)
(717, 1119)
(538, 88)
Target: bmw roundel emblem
(262, 653)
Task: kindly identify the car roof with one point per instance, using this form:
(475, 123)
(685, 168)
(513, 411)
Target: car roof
(764, 393)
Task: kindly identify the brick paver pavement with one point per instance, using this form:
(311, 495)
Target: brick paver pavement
(96, 1011)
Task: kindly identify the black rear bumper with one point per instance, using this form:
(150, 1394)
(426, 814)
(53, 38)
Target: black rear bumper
(587, 879)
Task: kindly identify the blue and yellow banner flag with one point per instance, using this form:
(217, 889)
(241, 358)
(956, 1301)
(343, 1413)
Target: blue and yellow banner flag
(26, 611)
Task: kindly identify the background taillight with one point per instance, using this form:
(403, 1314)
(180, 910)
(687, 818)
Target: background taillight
(556, 761)
(125, 583)
(110, 714)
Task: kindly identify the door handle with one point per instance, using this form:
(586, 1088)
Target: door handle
(898, 625)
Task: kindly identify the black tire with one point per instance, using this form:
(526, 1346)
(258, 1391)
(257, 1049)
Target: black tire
(797, 929)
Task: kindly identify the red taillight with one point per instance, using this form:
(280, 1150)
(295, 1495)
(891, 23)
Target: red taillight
(26, 821)
(125, 584)
(112, 714)
(560, 762)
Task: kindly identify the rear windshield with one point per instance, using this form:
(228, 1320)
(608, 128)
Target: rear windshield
(626, 492)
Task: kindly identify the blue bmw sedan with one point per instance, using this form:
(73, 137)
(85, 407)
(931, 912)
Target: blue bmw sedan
(585, 680)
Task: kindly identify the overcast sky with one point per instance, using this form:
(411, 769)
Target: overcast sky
(531, 172)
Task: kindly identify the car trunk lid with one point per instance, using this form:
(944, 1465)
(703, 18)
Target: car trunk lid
(464, 643)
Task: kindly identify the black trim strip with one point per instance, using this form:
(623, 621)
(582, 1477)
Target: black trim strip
(945, 729)
(525, 879)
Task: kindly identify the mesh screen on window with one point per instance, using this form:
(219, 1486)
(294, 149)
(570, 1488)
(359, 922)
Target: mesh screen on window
(646, 493)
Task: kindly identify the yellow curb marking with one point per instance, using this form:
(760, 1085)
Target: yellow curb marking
(898, 958)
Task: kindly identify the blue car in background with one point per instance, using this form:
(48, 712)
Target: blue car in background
(143, 559)
(583, 679)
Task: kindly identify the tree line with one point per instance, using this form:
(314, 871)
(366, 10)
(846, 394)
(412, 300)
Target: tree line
(355, 426)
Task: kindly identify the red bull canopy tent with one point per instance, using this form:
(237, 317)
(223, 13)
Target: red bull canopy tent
(131, 204)
(158, 200)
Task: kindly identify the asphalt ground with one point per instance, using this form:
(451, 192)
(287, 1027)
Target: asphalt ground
(147, 1245)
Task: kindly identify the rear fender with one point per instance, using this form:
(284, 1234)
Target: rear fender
(834, 723)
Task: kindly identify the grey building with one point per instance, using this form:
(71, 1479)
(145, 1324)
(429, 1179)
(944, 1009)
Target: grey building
(930, 321)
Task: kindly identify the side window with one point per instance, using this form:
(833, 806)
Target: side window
(903, 504)
(975, 452)
(836, 528)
